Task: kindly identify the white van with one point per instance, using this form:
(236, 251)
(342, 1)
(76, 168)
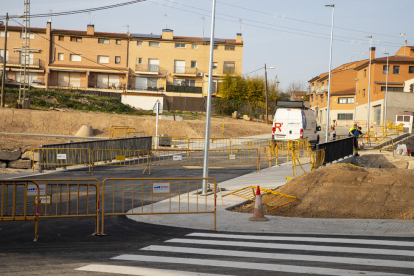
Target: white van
(292, 124)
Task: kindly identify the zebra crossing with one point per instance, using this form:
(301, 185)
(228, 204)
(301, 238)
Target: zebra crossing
(238, 254)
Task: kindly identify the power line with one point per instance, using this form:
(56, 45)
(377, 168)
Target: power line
(253, 71)
(78, 11)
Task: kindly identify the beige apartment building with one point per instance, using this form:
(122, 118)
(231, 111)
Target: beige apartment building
(133, 64)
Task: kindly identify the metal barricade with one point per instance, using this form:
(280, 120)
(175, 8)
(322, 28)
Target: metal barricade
(116, 132)
(181, 142)
(61, 157)
(249, 143)
(17, 198)
(317, 158)
(120, 158)
(143, 196)
(217, 157)
(215, 143)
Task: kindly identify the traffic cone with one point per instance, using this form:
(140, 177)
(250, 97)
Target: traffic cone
(258, 208)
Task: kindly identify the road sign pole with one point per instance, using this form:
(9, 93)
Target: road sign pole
(156, 125)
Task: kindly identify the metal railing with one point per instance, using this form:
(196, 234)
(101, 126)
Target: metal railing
(147, 68)
(337, 149)
(185, 70)
(61, 157)
(118, 158)
(116, 132)
(35, 62)
(184, 89)
(140, 196)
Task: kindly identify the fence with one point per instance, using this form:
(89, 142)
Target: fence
(338, 149)
(141, 194)
(111, 157)
(17, 196)
(61, 157)
(116, 132)
(170, 142)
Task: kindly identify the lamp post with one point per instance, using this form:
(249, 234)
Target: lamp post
(266, 89)
(386, 92)
(329, 85)
(369, 80)
(208, 108)
(355, 102)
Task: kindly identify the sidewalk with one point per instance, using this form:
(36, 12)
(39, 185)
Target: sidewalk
(239, 222)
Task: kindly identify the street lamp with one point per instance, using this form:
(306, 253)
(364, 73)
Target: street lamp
(369, 80)
(266, 88)
(386, 91)
(329, 85)
(355, 101)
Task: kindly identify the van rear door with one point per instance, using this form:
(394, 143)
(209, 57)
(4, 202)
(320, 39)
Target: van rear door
(280, 124)
(294, 124)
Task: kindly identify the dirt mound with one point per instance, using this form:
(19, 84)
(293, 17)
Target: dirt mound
(343, 191)
(385, 161)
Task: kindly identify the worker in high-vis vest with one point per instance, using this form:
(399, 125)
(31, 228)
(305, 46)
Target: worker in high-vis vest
(351, 130)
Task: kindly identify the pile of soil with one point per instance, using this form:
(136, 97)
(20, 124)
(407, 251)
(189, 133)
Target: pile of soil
(344, 191)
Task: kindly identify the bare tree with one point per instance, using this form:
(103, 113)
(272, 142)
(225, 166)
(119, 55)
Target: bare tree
(296, 85)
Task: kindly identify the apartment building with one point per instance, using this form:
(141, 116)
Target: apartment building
(135, 64)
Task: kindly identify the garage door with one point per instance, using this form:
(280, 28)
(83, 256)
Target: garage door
(63, 79)
(103, 81)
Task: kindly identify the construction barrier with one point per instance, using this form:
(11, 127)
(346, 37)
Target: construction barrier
(116, 132)
(175, 142)
(61, 157)
(269, 197)
(112, 157)
(217, 157)
(18, 197)
(119, 195)
(215, 143)
(317, 158)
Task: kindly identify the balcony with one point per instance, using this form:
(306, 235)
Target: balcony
(317, 90)
(181, 70)
(308, 90)
(324, 88)
(313, 89)
(15, 61)
(147, 68)
(184, 89)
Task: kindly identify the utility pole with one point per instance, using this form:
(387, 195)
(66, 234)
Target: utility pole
(386, 92)
(328, 109)
(3, 77)
(266, 92)
(369, 81)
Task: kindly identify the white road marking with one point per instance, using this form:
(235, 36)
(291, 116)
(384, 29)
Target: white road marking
(247, 265)
(298, 247)
(133, 270)
(261, 255)
(304, 239)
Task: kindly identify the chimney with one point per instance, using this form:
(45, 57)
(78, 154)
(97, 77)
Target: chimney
(167, 34)
(90, 30)
(372, 50)
(239, 38)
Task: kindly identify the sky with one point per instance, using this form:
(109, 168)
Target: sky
(293, 36)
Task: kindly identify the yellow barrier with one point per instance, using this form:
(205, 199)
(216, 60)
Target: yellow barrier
(170, 142)
(249, 143)
(116, 132)
(140, 195)
(16, 195)
(317, 158)
(61, 157)
(215, 143)
(113, 157)
(217, 157)
(274, 199)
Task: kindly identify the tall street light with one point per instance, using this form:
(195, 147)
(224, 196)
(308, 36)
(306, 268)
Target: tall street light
(266, 89)
(329, 85)
(208, 108)
(355, 100)
(369, 80)
(386, 91)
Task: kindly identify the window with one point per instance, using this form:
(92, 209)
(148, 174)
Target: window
(385, 70)
(347, 100)
(229, 48)
(140, 43)
(193, 64)
(321, 99)
(365, 73)
(228, 67)
(146, 83)
(103, 59)
(61, 38)
(77, 58)
(154, 44)
(138, 61)
(345, 116)
(76, 39)
(60, 56)
(117, 60)
(184, 82)
(179, 45)
(215, 47)
(411, 70)
(194, 46)
(396, 69)
(316, 97)
(103, 40)
(214, 65)
(29, 35)
(2, 34)
(118, 42)
(363, 90)
(392, 88)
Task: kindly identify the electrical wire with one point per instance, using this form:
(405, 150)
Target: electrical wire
(253, 71)
(77, 11)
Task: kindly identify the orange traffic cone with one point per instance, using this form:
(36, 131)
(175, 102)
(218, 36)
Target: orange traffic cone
(258, 208)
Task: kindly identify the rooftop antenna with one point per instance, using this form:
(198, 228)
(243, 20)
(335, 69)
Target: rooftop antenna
(90, 18)
(406, 41)
(50, 20)
(204, 21)
(166, 21)
(240, 27)
(127, 26)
